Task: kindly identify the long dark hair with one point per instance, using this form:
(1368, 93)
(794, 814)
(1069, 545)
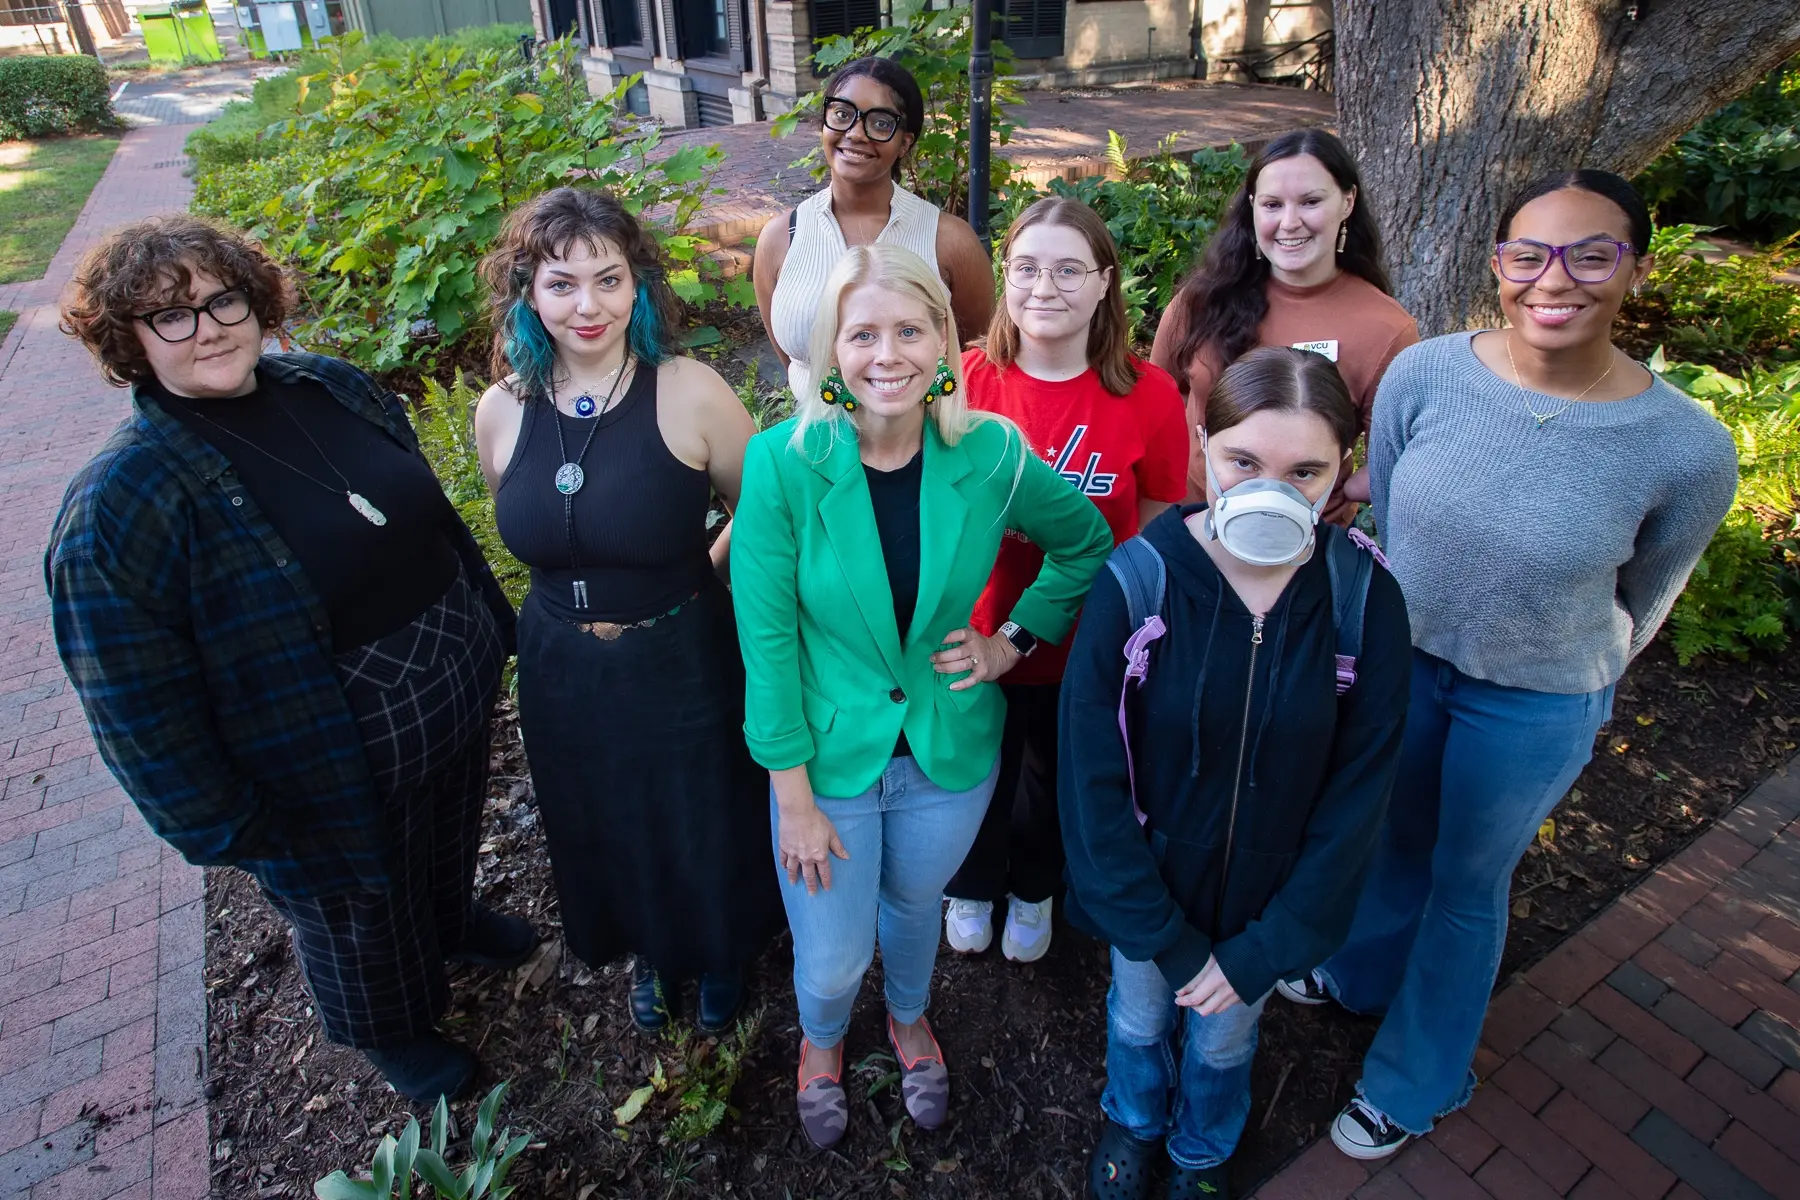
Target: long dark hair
(1226, 297)
(543, 228)
(1283, 379)
(896, 79)
(1601, 183)
(1109, 341)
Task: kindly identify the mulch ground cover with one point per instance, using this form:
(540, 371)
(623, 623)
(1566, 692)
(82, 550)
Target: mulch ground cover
(1026, 1044)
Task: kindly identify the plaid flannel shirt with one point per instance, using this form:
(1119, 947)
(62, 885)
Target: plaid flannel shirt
(202, 655)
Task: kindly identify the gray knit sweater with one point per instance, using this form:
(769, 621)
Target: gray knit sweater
(1540, 558)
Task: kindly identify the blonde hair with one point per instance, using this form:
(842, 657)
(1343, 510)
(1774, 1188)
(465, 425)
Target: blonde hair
(899, 270)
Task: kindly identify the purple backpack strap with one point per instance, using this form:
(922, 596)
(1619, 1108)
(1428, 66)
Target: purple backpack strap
(1142, 578)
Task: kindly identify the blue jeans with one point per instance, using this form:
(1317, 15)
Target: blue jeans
(906, 837)
(1481, 767)
(1210, 1089)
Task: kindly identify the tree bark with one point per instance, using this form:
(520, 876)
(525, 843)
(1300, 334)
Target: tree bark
(1452, 106)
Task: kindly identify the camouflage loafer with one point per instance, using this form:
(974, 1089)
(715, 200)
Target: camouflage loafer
(924, 1081)
(824, 1108)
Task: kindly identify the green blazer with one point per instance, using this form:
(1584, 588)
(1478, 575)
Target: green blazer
(831, 681)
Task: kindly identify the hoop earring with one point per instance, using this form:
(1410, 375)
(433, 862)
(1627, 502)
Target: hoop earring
(943, 383)
(1343, 236)
(833, 390)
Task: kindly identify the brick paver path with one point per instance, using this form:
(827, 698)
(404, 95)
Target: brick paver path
(1060, 134)
(102, 1007)
(1655, 1055)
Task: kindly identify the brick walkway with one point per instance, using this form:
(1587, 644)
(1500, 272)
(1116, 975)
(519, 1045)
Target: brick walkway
(102, 1007)
(1655, 1055)
(1060, 134)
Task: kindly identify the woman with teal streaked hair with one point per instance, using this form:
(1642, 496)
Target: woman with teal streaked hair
(603, 449)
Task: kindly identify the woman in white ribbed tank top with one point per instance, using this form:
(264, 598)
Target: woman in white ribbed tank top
(864, 203)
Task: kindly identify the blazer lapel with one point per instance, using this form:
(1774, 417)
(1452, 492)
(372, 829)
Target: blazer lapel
(943, 512)
(848, 516)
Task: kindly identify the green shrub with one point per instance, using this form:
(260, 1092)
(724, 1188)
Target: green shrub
(1732, 313)
(1740, 166)
(444, 420)
(935, 47)
(1741, 595)
(396, 185)
(41, 95)
(397, 1160)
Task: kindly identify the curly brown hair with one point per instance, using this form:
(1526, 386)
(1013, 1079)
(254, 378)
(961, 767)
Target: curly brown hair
(153, 262)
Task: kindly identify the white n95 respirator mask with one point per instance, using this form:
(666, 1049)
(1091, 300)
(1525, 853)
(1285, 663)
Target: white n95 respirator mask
(1264, 522)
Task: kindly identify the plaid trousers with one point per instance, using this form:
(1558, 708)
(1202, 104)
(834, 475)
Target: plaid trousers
(374, 961)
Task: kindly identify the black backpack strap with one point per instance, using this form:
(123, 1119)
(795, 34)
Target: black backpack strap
(1351, 568)
(793, 223)
(1142, 577)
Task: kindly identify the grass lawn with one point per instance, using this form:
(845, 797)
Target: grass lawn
(43, 185)
(6, 323)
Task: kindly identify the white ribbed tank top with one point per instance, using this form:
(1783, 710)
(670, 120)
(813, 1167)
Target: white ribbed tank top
(817, 243)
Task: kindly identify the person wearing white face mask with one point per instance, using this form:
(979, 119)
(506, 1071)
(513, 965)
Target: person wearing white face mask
(1219, 812)
(1058, 363)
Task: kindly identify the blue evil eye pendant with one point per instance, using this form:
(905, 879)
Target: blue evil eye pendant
(942, 384)
(584, 405)
(835, 391)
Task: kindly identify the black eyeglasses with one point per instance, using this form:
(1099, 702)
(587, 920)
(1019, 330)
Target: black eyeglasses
(879, 124)
(1068, 275)
(1591, 260)
(179, 322)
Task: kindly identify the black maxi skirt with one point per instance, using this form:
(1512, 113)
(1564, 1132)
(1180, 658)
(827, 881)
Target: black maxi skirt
(656, 816)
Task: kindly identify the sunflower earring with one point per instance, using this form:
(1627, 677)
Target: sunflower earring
(835, 391)
(943, 383)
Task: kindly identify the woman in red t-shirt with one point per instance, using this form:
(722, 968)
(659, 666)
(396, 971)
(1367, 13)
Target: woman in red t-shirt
(1058, 363)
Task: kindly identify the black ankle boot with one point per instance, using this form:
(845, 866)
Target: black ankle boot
(721, 995)
(652, 1005)
(496, 940)
(426, 1067)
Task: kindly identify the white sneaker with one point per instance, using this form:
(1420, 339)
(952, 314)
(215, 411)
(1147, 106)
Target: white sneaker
(1309, 989)
(1364, 1132)
(1027, 935)
(969, 925)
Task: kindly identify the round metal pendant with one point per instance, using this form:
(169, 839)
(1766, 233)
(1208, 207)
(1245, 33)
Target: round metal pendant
(584, 407)
(569, 478)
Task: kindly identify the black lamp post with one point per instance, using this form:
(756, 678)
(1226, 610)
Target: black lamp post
(981, 113)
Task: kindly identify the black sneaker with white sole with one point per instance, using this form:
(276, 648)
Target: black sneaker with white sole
(1364, 1132)
(1309, 989)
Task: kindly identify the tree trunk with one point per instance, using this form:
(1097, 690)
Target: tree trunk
(1451, 106)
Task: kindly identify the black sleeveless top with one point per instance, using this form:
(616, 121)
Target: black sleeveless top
(631, 543)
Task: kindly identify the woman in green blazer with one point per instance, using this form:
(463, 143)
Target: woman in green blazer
(867, 528)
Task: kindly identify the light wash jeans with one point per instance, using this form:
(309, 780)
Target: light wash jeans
(1481, 767)
(1199, 1106)
(906, 837)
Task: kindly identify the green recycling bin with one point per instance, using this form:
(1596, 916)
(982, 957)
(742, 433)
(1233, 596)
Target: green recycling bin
(181, 33)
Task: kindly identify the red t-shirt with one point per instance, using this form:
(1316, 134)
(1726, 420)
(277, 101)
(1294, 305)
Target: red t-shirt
(1116, 450)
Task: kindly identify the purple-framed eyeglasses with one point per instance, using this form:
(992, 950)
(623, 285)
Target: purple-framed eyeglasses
(1591, 260)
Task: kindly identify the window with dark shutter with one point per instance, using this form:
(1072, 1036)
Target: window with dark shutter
(1031, 28)
(623, 24)
(841, 18)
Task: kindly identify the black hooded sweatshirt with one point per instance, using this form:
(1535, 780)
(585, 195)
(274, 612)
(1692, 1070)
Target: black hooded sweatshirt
(1225, 723)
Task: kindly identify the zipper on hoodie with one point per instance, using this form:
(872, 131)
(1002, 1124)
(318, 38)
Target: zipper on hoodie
(1256, 637)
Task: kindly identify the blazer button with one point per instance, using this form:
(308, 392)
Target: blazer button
(897, 696)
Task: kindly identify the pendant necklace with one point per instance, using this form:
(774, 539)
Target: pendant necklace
(1544, 418)
(584, 403)
(358, 501)
(570, 476)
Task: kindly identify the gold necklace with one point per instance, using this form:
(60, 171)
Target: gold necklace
(1543, 418)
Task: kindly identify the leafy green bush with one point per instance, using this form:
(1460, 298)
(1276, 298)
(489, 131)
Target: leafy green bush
(935, 47)
(444, 421)
(396, 1161)
(1742, 595)
(42, 95)
(401, 177)
(1732, 313)
(1740, 166)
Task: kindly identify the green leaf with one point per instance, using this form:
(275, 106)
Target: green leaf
(339, 1186)
(461, 168)
(433, 1170)
(405, 1151)
(628, 1112)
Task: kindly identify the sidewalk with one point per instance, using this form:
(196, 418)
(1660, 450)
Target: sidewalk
(102, 1002)
(1654, 1055)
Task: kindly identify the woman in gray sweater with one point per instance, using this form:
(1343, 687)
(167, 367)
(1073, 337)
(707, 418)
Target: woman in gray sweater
(1542, 498)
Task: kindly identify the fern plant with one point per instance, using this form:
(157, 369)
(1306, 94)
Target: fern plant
(397, 1160)
(445, 424)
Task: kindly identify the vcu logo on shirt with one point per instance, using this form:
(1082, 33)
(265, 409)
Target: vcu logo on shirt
(1089, 480)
